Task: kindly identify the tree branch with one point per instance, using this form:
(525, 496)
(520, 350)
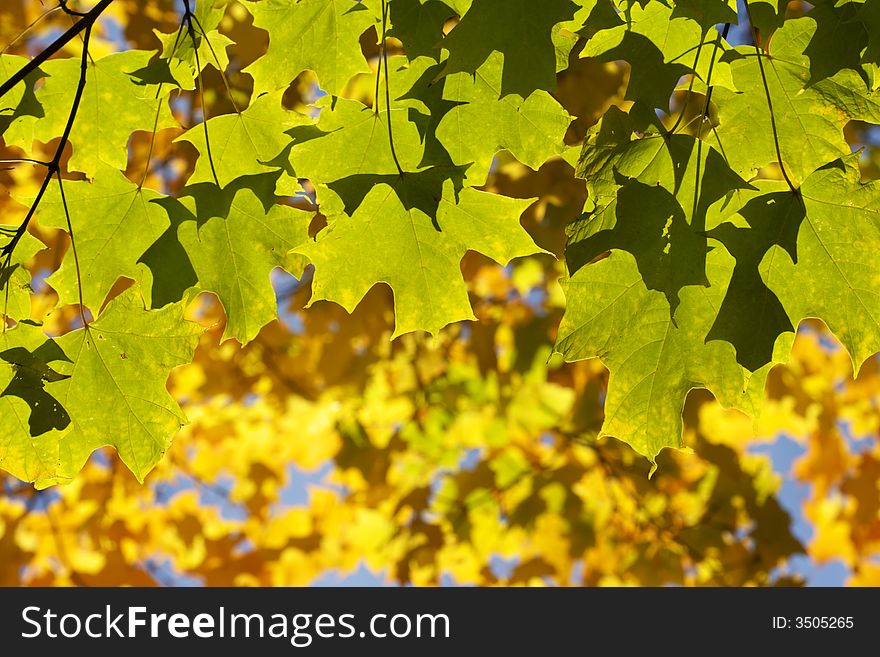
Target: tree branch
(87, 20)
(53, 167)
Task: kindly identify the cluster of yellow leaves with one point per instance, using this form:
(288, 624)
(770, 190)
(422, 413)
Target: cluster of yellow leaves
(838, 426)
(445, 457)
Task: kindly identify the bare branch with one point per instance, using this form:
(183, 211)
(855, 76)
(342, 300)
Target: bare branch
(84, 23)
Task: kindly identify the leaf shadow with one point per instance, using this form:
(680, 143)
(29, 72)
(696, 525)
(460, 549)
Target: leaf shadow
(28, 105)
(167, 259)
(421, 190)
(751, 316)
(669, 244)
(31, 373)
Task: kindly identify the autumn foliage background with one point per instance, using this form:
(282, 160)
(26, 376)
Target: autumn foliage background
(324, 452)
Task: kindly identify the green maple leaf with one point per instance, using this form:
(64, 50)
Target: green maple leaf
(841, 36)
(590, 17)
(114, 223)
(521, 30)
(234, 242)
(33, 434)
(15, 291)
(661, 48)
(809, 119)
(653, 359)
(416, 254)
(679, 179)
(418, 24)
(178, 51)
(113, 106)
(351, 139)
(707, 13)
(245, 143)
(484, 122)
(115, 391)
(317, 35)
(800, 256)
(833, 273)
(751, 316)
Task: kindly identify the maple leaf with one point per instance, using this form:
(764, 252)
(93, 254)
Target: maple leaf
(115, 383)
(809, 118)
(417, 256)
(185, 62)
(719, 266)
(653, 359)
(245, 143)
(832, 272)
(15, 279)
(532, 129)
(234, 241)
(33, 433)
(317, 35)
(19, 107)
(520, 30)
(115, 223)
(114, 104)
(751, 316)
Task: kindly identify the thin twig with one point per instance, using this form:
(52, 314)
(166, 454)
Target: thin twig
(711, 88)
(30, 26)
(378, 73)
(53, 167)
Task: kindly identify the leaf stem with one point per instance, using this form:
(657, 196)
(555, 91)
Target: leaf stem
(759, 51)
(82, 306)
(188, 19)
(384, 59)
(217, 61)
(158, 111)
(24, 160)
(690, 85)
